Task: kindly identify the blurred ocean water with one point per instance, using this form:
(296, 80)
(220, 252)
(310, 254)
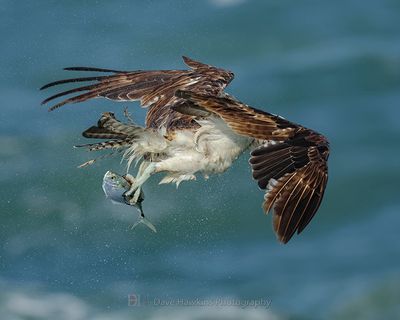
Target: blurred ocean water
(68, 253)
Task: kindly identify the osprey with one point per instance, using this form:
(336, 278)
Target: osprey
(193, 126)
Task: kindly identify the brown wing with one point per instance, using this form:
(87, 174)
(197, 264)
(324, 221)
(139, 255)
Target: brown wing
(154, 89)
(241, 118)
(295, 174)
(291, 163)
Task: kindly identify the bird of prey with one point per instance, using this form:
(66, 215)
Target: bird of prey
(193, 127)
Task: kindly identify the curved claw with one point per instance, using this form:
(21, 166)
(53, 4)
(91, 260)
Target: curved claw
(134, 197)
(127, 197)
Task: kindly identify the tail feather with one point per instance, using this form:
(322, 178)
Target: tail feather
(110, 144)
(109, 122)
(102, 133)
(130, 138)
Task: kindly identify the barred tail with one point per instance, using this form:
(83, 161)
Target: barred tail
(135, 141)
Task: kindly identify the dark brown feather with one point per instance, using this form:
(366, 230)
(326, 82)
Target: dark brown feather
(102, 133)
(85, 79)
(242, 118)
(154, 89)
(91, 69)
(108, 127)
(300, 182)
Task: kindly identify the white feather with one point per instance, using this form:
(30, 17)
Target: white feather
(208, 150)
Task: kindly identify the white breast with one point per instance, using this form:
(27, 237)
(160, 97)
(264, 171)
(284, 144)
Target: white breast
(219, 145)
(210, 149)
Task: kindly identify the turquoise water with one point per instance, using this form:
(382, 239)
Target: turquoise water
(67, 253)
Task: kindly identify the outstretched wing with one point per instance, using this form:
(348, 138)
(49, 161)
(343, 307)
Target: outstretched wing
(154, 89)
(290, 163)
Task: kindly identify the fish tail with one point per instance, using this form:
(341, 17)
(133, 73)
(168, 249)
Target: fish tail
(145, 222)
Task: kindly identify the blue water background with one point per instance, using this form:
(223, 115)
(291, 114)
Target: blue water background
(68, 253)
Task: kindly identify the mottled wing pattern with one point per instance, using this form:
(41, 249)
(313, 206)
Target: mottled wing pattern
(290, 163)
(154, 89)
(240, 117)
(295, 174)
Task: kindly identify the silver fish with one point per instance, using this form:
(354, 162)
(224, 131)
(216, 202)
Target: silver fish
(115, 186)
